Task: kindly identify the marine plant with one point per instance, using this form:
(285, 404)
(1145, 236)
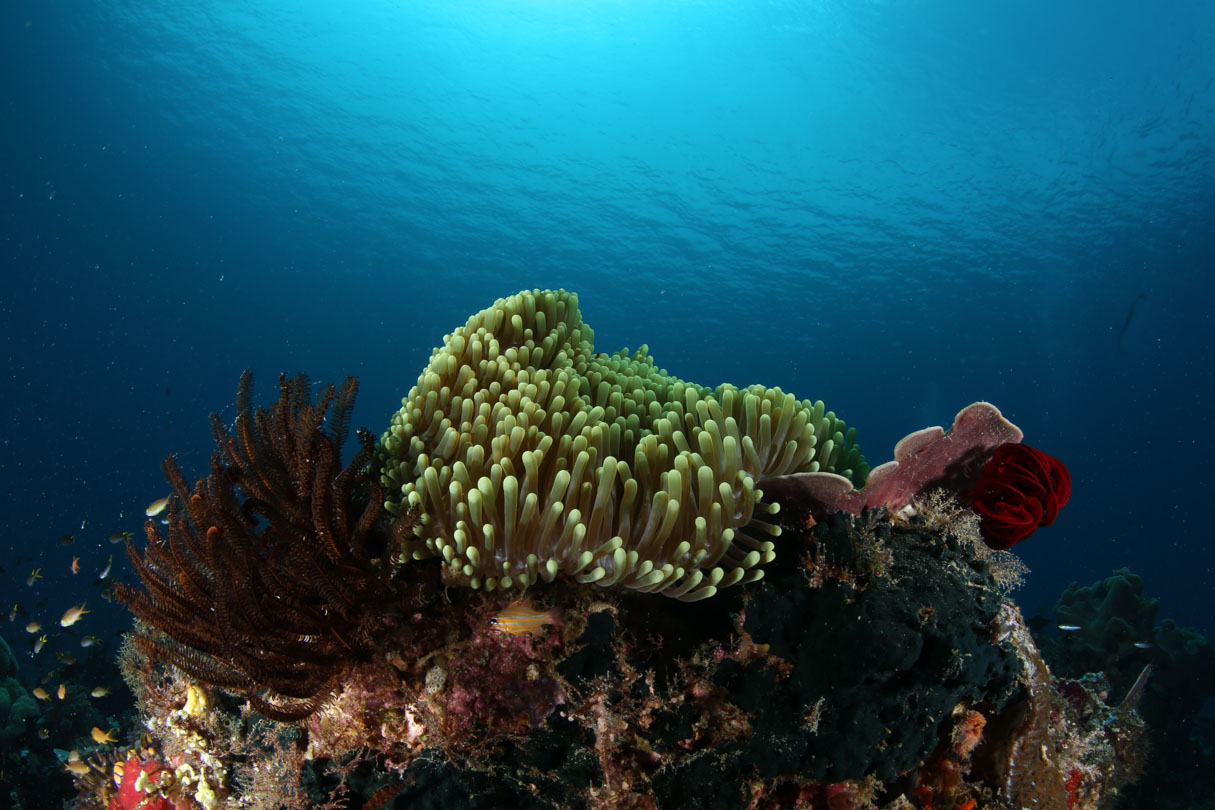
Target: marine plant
(532, 456)
(269, 577)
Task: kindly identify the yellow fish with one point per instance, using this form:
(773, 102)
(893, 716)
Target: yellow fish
(62, 691)
(99, 691)
(34, 576)
(75, 767)
(73, 615)
(103, 737)
(33, 627)
(41, 693)
(38, 642)
(521, 617)
(157, 506)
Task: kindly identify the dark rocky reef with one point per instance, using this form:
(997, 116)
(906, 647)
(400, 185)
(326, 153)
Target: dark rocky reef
(848, 665)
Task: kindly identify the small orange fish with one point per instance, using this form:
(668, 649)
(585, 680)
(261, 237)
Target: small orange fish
(157, 506)
(99, 691)
(103, 737)
(521, 617)
(75, 767)
(75, 565)
(41, 693)
(62, 693)
(73, 615)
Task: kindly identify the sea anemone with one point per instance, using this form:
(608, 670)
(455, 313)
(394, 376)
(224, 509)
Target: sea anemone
(531, 456)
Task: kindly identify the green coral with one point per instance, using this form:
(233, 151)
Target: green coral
(17, 707)
(529, 456)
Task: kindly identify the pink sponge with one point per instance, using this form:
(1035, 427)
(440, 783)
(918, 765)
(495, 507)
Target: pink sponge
(924, 460)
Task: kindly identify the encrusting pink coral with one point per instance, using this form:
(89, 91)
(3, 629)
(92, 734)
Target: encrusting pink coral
(929, 458)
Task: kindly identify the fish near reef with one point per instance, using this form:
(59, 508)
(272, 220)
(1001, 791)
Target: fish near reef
(521, 617)
(103, 737)
(157, 506)
(73, 615)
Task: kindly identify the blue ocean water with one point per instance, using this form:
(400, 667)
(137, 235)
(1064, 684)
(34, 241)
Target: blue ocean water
(896, 207)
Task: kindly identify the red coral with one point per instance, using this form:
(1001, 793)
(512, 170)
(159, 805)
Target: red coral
(1021, 488)
(1072, 786)
(130, 797)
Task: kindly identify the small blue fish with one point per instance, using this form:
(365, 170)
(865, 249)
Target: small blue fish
(521, 617)
(1143, 645)
(1070, 628)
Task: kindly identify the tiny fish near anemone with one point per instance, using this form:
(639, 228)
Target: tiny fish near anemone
(521, 617)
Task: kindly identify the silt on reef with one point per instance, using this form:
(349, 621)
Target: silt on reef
(878, 666)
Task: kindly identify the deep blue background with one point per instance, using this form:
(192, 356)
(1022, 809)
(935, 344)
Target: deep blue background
(896, 207)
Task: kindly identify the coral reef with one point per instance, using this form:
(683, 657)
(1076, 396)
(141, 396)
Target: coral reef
(1112, 616)
(876, 665)
(533, 456)
(1118, 636)
(313, 634)
(1069, 749)
(17, 706)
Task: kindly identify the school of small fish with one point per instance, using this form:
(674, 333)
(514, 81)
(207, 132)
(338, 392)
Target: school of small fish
(70, 618)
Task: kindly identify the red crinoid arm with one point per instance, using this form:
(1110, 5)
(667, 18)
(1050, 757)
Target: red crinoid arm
(1021, 488)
